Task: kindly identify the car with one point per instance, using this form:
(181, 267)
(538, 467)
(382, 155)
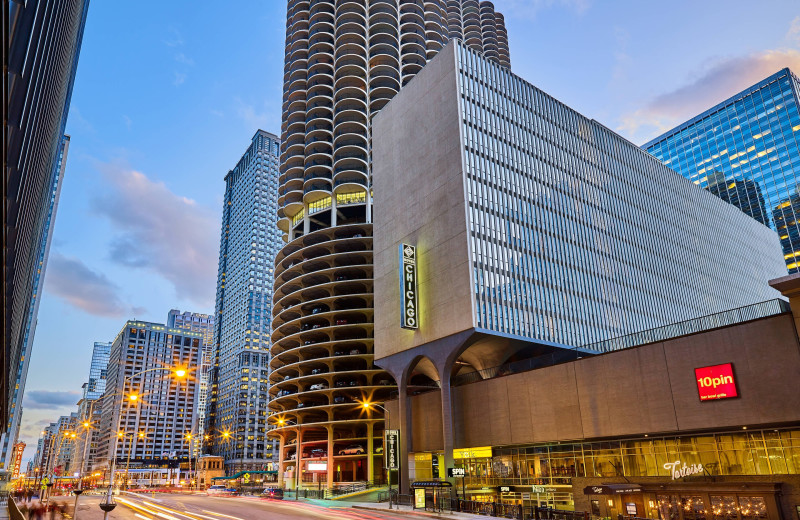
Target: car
(385, 382)
(319, 371)
(352, 383)
(340, 384)
(217, 491)
(339, 399)
(310, 341)
(379, 449)
(317, 453)
(340, 353)
(309, 404)
(317, 310)
(293, 456)
(355, 352)
(316, 326)
(318, 386)
(292, 441)
(286, 378)
(342, 277)
(358, 235)
(341, 322)
(353, 449)
(273, 493)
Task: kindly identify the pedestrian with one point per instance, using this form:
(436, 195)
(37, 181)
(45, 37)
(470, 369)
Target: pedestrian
(29, 494)
(36, 512)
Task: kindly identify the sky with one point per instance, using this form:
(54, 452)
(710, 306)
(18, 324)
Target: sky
(167, 98)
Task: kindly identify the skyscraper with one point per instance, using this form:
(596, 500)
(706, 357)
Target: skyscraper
(90, 409)
(44, 40)
(204, 324)
(750, 145)
(236, 420)
(143, 359)
(344, 61)
(20, 373)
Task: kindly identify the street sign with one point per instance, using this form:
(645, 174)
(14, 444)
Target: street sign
(456, 472)
(392, 449)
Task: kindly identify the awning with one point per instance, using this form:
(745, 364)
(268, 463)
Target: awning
(612, 489)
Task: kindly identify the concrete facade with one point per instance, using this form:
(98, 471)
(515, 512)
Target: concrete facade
(643, 390)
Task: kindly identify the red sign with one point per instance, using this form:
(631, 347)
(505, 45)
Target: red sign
(17, 464)
(716, 382)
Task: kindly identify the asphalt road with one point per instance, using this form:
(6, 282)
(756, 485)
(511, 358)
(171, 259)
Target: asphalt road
(200, 507)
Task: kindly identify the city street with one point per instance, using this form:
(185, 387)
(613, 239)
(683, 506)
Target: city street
(200, 507)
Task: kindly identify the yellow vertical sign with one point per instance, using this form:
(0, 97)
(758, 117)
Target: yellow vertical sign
(419, 498)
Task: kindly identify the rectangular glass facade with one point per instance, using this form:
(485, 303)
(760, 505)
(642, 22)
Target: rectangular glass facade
(577, 235)
(746, 150)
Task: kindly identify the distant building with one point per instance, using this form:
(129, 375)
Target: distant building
(43, 45)
(236, 420)
(752, 141)
(152, 428)
(90, 409)
(204, 324)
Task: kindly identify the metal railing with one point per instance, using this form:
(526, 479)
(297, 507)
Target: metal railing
(683, 328)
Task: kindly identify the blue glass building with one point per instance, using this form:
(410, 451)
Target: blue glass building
(746, 150)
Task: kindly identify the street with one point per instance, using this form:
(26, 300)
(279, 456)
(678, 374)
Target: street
(201, 507)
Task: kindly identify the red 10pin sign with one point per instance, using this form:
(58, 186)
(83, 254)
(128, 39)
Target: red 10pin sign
(716, 382)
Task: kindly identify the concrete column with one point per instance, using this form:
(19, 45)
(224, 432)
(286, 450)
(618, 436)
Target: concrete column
(306, 220)
(331, 469)
(447, 425)
(369, 207)
(405, 433)
(370, 455)
(298, 455)
(333, 210)
(280, 462)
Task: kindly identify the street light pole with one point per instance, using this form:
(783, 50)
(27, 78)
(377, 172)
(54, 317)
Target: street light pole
(366, 405)
(109, 504)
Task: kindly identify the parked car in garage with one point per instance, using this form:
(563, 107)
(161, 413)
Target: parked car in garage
(353, 449)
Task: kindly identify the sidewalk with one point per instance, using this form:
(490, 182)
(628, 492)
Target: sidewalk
(383, 507)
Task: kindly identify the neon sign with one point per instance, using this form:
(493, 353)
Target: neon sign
(409, 315)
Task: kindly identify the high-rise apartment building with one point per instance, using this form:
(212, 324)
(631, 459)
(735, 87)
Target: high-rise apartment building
(236, 420)
(142, 362)
(20, 372)
(90, 409)
(203, 323)
(44, 40)
(746, 150)
(344, 61)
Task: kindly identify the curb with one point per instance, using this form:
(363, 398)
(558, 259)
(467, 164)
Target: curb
(407, 512)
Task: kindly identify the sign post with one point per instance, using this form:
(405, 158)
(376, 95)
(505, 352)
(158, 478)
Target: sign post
(459, 473)
(391, 450)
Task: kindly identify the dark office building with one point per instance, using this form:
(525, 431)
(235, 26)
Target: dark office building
(44, 39)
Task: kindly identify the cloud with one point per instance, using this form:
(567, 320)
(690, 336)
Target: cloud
(175, 39)
(71, 280)
(182, 58)
(160, 231)
(793, 36)
(49, 400)
(128, 121)
(180, 77)
(717, 81)
(529, 9)
(255, 118)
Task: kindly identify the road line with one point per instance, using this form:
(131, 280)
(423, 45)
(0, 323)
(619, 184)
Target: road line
(220, 514)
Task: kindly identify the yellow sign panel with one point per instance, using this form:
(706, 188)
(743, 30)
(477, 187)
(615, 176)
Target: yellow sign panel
(473, 453)
(419, 498)
(421, 457)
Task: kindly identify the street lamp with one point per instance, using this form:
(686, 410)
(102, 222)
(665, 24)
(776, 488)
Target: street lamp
(177, 372)
(366, 405)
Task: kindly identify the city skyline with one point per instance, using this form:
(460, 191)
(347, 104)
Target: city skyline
(120, 163)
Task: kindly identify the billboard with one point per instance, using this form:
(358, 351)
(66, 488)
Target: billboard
(716, 382)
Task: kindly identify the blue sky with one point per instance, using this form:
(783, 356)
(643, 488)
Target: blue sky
(167, 98)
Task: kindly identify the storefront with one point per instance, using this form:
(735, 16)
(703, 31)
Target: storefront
(669, 469)
(704, 499)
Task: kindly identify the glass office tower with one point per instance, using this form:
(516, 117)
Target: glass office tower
(746, 150)
(236, 414)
